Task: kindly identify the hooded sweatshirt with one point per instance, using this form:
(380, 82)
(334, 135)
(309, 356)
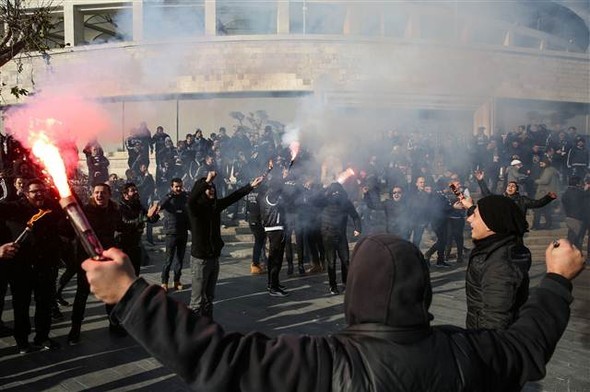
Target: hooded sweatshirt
(390, 345)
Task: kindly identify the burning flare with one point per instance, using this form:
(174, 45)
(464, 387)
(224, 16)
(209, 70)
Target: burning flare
(294, 147)
(345, 175)
(49, 154)
(29, 227)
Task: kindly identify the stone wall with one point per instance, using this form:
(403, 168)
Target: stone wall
(394, 70)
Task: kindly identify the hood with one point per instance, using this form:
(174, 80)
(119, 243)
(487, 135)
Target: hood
(388, 283)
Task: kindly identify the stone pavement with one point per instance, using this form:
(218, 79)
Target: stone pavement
(102, 362)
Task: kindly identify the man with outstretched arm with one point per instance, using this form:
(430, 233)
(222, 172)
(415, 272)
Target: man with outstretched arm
(388, 346)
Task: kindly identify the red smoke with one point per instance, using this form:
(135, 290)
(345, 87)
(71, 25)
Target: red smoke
(69, 121)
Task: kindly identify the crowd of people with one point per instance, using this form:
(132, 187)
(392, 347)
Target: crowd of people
(398, 183)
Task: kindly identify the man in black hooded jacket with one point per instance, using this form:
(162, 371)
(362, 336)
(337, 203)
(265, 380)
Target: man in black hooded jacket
(388, 346)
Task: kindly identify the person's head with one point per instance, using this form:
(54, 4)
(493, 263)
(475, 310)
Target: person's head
(496, 214)
(580, 142)
(420, 183)
(130, 192)
(113, 177)
(399, 295)
(397, 193)
(198, 134)
(160, 129)
(209, 160)
(95, 150)
(176, 186)
(19, 183)
(516, 163)
(143, 168)
(101, 194)
(511, 188)
(36, 192)
(168, 142)
(211, 192)
(130, 174)
(190, 138)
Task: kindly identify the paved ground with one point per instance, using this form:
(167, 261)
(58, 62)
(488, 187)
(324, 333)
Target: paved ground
(105, 363)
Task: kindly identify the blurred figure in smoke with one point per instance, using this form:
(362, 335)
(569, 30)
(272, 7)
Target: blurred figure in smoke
(547, 184)
(418, 211)
(396, 208)
(336, 208)
(440, 210)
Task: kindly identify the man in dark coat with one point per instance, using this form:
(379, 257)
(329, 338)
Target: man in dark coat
(134, 217)
(104, 216)
(176, 227)
(334, 220)
(204, 210)
(388, 346)
(497, 280)
(35, 264)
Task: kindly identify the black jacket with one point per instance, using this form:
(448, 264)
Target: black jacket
(497, 282)
(205, 219)
(523, 202)
(390, 345)
(336, 208)
(42, 246)
(133, 216)
(105, 223)
(175, 213)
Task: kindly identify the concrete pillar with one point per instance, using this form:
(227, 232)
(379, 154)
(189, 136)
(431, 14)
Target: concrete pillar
(283, 17)
(73, 24)
(138, 20)
(413, 26)
(210, 17)
(484, 117)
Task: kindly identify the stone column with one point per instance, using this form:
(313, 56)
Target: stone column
(137, 20)
(210, 18)
(484, 117)
(283, 17)
(73, 24)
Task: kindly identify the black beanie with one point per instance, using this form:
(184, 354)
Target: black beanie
(502, 215)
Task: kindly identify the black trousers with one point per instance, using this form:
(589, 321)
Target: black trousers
(336, 245)
(38, 280)
(293, 225)
(175, 246)
(259, 237)
(276, 248)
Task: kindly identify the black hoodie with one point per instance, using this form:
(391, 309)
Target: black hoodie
(390, 346)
